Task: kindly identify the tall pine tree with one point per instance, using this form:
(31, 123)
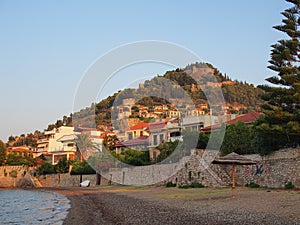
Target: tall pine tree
(280, 127)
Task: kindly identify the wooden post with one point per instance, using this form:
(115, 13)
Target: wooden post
(233, 180)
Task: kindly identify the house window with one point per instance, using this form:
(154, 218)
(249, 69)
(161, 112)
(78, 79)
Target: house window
(70, 145)
(154, 139)
(130, 135)
(141, 133)
(161, 137)
(134, 133)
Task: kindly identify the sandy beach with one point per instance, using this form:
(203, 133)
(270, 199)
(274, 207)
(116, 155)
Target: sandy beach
(160, 205)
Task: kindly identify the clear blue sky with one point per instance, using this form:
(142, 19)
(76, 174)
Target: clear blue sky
(45, 46)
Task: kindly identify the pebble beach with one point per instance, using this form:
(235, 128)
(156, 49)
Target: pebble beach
(160, 205)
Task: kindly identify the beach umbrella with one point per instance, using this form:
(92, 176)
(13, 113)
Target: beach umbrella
(234, 159)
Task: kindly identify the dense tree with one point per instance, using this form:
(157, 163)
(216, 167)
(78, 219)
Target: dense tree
(80, 168)
(46, 168)
(202, 140)
(281, 124)
(62, 166)
(133, 157)
(109, 142)
(11, 138)
(238, 139)
(16, 159)
(166, 149)
(2, 152)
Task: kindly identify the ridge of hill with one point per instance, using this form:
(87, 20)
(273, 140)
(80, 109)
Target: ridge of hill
(240, 97)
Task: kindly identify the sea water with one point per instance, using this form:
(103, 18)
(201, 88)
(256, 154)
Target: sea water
(32, 207)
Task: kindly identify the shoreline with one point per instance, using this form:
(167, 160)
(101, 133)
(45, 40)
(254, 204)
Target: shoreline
(160, 205)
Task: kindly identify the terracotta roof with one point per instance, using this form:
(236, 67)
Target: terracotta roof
(246, 118)
(140, 126)
(19, 149)
(211, 128)
(158, 125)
(143, 140)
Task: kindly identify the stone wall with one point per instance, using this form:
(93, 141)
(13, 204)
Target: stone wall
(143, 175)
(6, 178)
(66, 180)
(274, 171)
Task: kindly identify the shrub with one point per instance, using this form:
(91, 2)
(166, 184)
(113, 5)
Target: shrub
(192, 185)
(170, 184)
(252, 185)
(80, 168)
(197, 185)
(13, 174)
(46, 168)
(18, 159)
(62, 166)
(289, 185)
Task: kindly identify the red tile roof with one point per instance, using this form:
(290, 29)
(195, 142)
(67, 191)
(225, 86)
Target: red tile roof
(158, 125)
(19, 149)
(211, 128)
(140, 126)
(143, 140)
(246, 118)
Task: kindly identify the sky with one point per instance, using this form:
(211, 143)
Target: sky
(47, 46)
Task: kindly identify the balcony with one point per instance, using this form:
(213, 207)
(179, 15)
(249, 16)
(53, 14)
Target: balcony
(43, 140)
(62, 149)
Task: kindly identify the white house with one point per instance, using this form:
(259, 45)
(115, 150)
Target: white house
(53, 143)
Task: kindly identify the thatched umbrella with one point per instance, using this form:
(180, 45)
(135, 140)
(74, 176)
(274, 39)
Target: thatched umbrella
(234, 159)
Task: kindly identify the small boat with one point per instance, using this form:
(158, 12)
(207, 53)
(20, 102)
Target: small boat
(85, 183)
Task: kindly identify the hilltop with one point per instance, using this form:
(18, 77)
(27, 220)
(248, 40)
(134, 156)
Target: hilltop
(240, 97)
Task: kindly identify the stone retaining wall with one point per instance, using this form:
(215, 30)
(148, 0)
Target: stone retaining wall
(65, 180)
(274, 171)
(6, 179)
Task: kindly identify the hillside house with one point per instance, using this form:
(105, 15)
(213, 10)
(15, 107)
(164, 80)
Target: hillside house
(138, 130)
(248, 118)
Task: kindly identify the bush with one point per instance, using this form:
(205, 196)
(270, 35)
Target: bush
(192, 185)
(18, 159)
(46, 168)
(62, 166)
(197, 185)
(170, 184)
(80, 168)
(289, 185)
(252, 185)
